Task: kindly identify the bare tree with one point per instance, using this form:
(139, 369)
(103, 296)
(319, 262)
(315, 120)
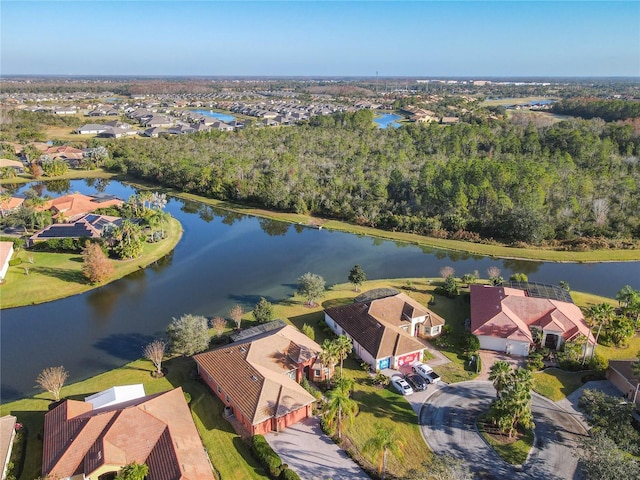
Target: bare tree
(52, 379)
(235, 314)
(493, 272)
(218, 324)
(600, 211)
(446, 272)
(154, 352)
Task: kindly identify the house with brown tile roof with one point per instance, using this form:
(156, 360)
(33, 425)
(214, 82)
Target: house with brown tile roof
(258, 377)
(81, 442)
(384, 330)
(71, 207)
(8, 205)
(503, 318)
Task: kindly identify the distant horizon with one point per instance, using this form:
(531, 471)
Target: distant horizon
(322, 77)
(449, 39)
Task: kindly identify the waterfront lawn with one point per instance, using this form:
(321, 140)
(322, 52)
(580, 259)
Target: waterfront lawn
(230, 456)
(59, 275)
(556, 384)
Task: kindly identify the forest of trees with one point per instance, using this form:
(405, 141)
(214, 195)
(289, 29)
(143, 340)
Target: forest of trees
(608, 110)
(576, 178)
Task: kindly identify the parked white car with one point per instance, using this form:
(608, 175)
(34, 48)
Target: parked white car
(426, 372)
(401, 385)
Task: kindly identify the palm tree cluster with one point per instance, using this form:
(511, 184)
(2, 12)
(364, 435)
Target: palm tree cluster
(334, 351)
(616, 325)
(512, 407)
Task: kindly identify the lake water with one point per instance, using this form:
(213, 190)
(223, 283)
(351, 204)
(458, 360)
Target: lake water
(226, 258)
(220, 116)
(387, 120)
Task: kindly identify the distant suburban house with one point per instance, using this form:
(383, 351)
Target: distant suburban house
(503, 318)
(84, 441)
(6, 251)
(8, 205)
(620, 373)
(258, 376)
(7, 435)
(14, 164)
(73, 206)
(449, 120)
(70, 154)
(117, 132)
(383, 330)
(91, 129)
(64, 110)
(88, 226)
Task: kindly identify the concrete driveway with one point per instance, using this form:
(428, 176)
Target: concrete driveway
(312, 454)
(448, 425)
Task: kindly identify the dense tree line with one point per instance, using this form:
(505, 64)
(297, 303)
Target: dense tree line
(501, 180)
(608, 110)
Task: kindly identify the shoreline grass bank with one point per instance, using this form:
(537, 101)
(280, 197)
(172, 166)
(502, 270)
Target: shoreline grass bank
(53, 276)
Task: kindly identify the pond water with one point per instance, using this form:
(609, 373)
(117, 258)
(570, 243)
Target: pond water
(220, 116)
(386, 120)
(226, 258)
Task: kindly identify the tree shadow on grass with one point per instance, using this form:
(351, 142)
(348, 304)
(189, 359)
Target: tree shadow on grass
(250, 300)
(126, 346)
(70, 276)
(337, 302)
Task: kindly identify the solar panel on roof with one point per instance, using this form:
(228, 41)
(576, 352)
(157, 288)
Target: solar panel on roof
(542, 290)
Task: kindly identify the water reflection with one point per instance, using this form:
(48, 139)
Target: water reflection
(273, 228)
(61, 186)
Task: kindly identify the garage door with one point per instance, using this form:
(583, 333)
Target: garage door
(384, 363)
(408, 359)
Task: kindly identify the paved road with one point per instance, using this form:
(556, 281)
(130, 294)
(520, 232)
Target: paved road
(448, 424)
(313, 455)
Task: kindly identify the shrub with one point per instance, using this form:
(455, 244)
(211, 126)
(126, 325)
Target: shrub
(535, 362)
(470, 343)
(288, 474)
(309, 331)
(15, 261)
(17, 242)
(380, 379)
(598, 363)
(478, 364)
(266, 456)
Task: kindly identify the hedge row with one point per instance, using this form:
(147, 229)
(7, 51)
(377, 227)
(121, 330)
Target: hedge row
(271, 460)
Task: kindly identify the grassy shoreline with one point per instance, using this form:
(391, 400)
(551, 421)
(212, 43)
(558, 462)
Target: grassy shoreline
(53, 276)
(494, 251)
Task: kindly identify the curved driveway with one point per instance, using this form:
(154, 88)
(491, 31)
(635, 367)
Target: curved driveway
(448, 423)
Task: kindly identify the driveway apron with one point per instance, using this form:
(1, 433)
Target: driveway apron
(312, 454)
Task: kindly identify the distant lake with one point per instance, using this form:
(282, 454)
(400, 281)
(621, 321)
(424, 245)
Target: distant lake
(387, 120)
(220, 116)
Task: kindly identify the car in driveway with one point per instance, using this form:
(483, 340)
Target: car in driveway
(416, 381)
(426, 372)
(401, 386)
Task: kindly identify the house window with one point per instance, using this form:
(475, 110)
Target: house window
(292, 374)
(227, 398)
(317, 373)
(219, 389)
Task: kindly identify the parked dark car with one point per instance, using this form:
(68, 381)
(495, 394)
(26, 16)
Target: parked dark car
(416, 381)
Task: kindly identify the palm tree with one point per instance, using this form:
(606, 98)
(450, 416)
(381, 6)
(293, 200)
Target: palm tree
(601, 316)
(341, 408)
(343, 346)
(500, 373)
(384, 441)
(328, 356)
(133, 471)
(625, 295)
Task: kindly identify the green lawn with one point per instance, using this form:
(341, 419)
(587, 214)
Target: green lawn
(59, 275)
(556, 384)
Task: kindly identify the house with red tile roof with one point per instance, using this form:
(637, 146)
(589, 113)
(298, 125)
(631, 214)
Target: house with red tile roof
(384, 330)
(257, 377)
(73, 206)
(8, 205)
(503, 318)
(82, 442)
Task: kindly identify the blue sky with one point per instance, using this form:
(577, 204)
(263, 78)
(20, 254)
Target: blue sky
(394, 38)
